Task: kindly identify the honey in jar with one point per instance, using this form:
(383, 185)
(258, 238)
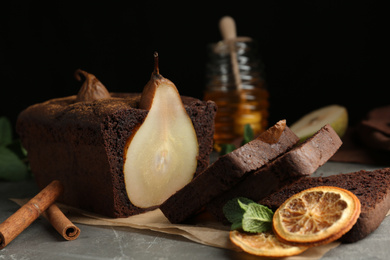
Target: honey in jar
(236, 84)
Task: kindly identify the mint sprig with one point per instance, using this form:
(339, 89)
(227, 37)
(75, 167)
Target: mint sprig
(248, 215)
(13, 162)
(248, 136)
(5, 131)
(234, 211)
(257, 218)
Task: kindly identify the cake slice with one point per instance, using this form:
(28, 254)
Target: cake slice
(371, 187)
(224, 173)
(374, 130)
(302, 160)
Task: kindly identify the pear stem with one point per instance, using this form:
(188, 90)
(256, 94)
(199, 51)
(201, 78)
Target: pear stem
(156, 69)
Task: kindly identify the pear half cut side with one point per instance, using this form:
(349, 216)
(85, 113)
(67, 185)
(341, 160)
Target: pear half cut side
(162, 155)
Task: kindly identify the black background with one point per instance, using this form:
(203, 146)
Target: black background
(315, 52)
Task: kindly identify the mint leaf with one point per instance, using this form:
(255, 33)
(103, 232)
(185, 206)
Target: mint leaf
(248, 134)
(11, 167)
(5, 131)
(236, 225)
(244, 202)
(257, 218)
(248, 215)
(260, 212)
(227, 148)
(16, 147)
(234, 211)
(255, 226)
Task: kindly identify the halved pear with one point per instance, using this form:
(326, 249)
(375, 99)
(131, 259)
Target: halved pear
(334, 115)
(161, 157)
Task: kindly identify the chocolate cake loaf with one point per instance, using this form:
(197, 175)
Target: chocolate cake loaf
(300, 161)
(371, 187)
(227, 171)
(81, 144)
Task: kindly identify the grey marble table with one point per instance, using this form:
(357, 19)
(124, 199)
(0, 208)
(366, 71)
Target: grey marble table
(41, 241)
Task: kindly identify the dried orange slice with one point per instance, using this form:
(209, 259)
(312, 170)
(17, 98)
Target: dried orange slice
(263, 244)
(316, 216)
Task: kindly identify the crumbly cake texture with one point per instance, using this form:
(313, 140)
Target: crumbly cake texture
(82, 145)
(224, 174)
(302, 160)
(371, 187)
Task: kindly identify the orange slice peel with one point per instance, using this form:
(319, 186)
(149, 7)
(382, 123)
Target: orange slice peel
(264, 244)
(316, 216)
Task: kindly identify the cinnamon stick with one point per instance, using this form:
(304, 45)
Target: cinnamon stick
(23, 217)
(61, 223)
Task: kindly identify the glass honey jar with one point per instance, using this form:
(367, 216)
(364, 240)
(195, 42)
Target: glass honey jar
(235, 82)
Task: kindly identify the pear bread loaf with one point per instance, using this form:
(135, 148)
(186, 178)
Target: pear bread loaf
(371, 187)
(302, 160)
(82, 145)
(224, 173)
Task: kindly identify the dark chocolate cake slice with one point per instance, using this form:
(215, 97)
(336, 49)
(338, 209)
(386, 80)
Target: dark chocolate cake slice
(371, 187)
(226, 172)
(302, 160)
(374, 130)
(81, 144)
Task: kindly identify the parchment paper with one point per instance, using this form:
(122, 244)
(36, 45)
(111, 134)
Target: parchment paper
(202, 229)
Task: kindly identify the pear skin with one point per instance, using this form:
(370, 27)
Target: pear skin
(162, 155)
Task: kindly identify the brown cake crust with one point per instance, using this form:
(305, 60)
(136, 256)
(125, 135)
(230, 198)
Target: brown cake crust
(374, 130)
(371, 187)
(300, 161)
(224, 174)
(82, 143)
